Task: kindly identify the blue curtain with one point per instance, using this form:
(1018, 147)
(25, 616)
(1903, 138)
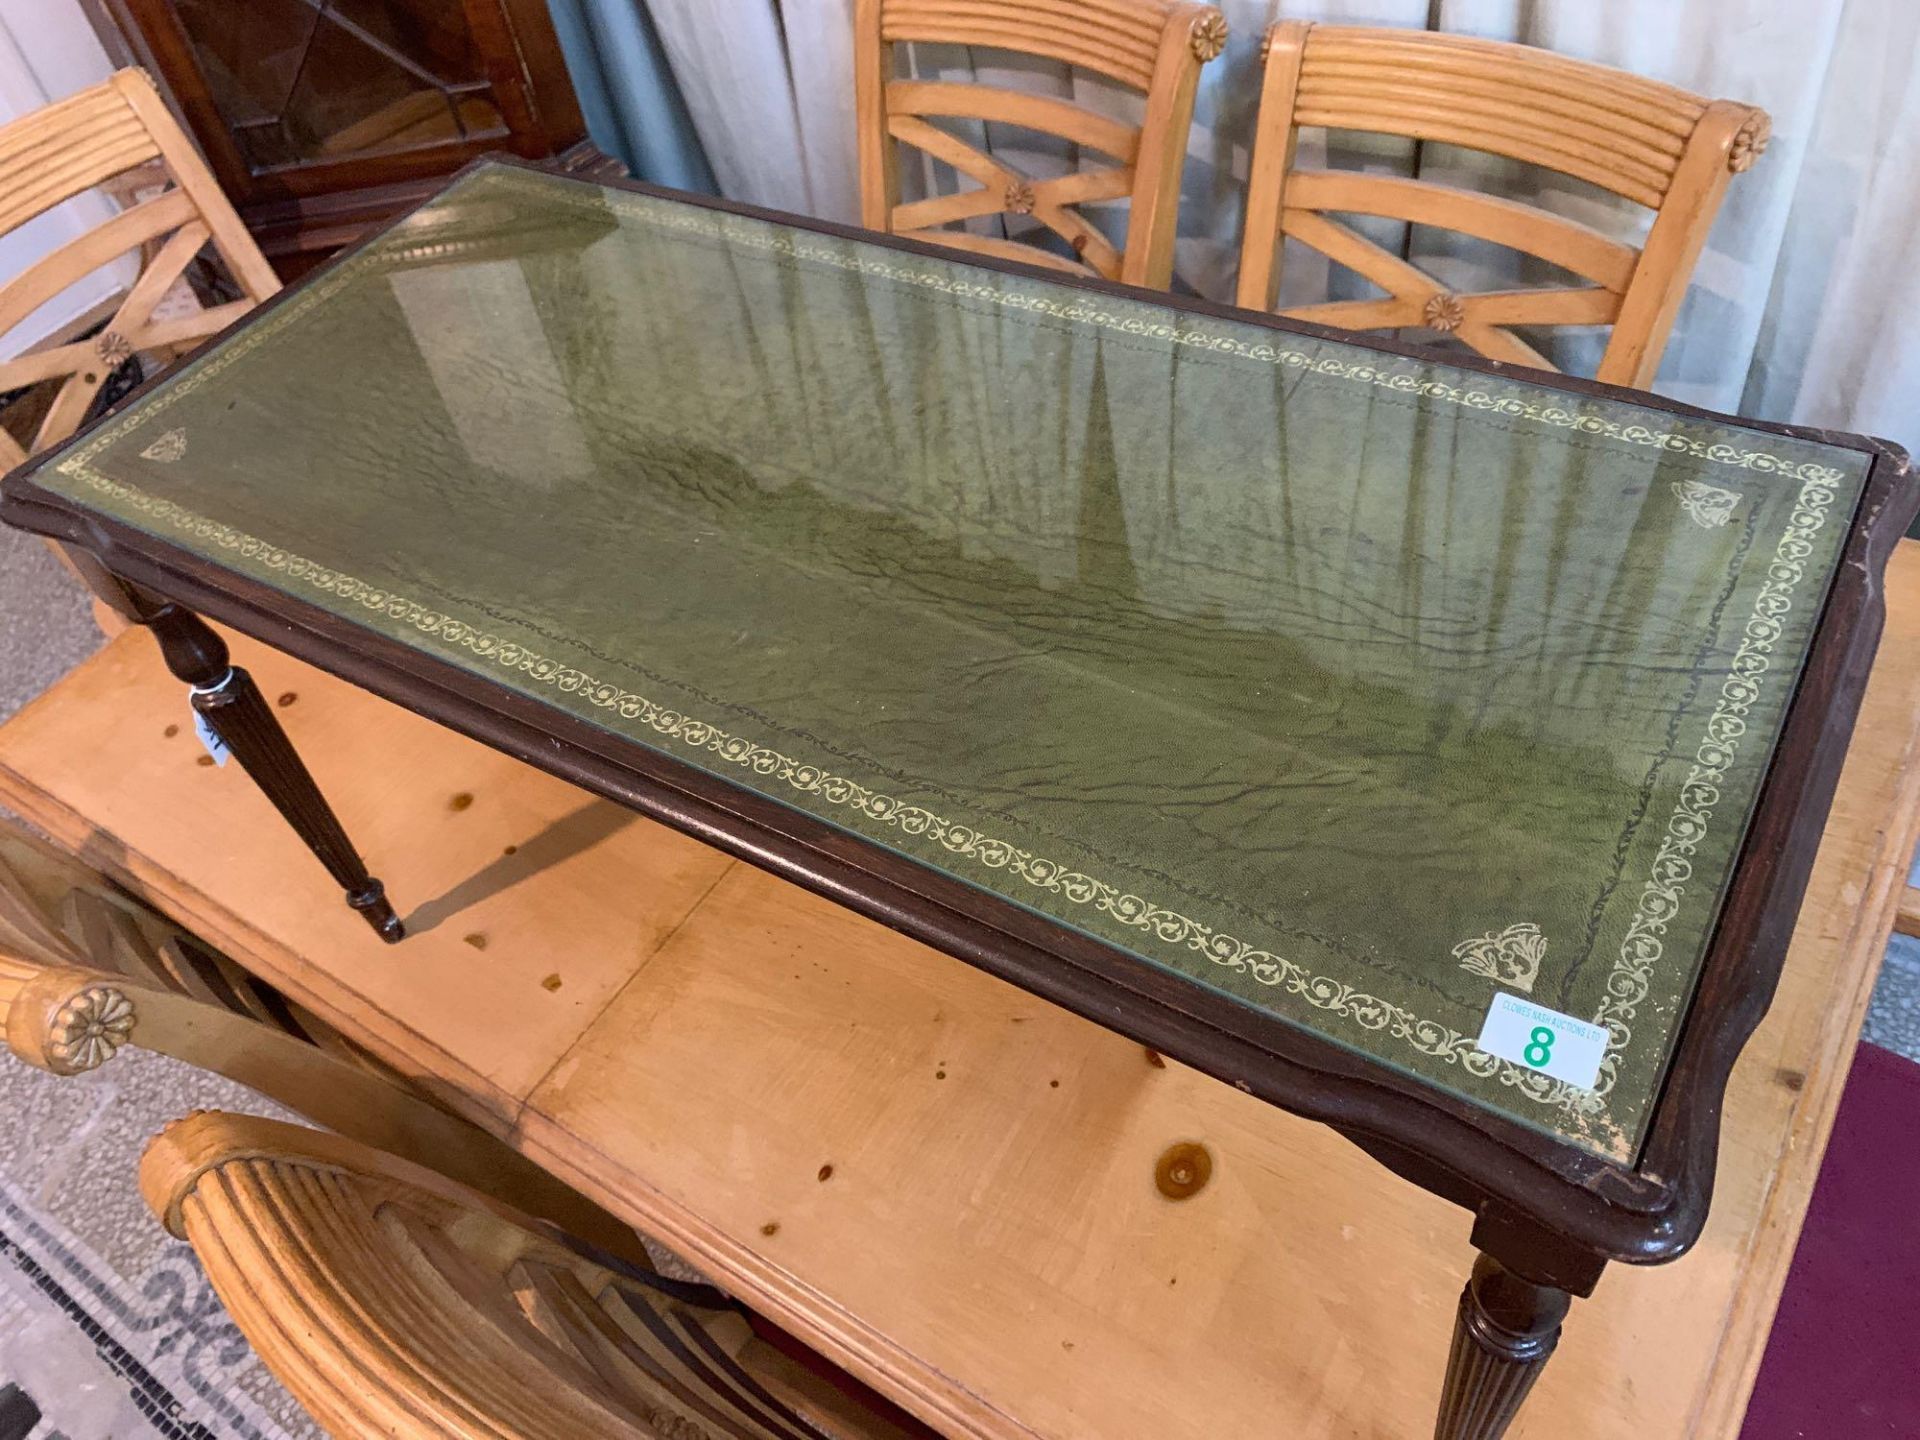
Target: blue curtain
(628, 95)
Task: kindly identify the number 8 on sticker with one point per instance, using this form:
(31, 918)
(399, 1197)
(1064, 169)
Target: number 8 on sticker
(1547, 1042)
(1541, 1050)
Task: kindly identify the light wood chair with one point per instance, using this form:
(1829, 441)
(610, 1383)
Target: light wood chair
(391, 1301)
(1658, 146)
(86, 970)
(1153, 46)
(118, 127)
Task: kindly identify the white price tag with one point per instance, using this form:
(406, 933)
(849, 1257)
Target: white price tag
(1544, 1040)
(216, 747)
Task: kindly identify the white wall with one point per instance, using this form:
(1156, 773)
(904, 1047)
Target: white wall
(47, 52)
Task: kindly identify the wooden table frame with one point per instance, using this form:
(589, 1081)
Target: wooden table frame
(1548, 1216)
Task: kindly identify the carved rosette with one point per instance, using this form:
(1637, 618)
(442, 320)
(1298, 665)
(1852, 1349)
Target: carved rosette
(1509, 957)
(1444, 312)
(112, 348)
(89, 1029)
(1708, 506)
(1750, 142)
(1019, 198)
(1208, 37)
(167, 449)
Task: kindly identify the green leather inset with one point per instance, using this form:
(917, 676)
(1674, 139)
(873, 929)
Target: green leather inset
(1357, 687)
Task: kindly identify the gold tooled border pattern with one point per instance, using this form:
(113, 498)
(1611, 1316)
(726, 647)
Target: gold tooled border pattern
(1629, 980)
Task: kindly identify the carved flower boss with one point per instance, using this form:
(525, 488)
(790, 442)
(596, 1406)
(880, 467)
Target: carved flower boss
(1444, 312)
(1208, 36)
(90, 1028)
(113, 348)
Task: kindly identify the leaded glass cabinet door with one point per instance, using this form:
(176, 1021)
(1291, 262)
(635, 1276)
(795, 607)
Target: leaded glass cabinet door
(324, 117)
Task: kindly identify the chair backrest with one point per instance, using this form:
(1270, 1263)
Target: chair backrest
(390, 1301)
(1661, 147)
(68, 148)
(86, 971)
(1153, 46)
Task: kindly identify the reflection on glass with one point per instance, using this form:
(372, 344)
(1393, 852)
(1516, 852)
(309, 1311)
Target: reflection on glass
(299, 81)
(507, 402)
(1358, 688)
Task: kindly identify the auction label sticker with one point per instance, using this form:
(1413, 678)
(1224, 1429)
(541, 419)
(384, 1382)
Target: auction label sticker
(1544, 1040)
(216, 747)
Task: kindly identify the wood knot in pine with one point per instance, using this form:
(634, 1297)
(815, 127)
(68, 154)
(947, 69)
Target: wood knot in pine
(1183, 1171)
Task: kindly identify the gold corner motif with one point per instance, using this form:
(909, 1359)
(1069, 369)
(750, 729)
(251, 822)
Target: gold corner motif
(1511, 956)
(1708, 506)
(167, 449)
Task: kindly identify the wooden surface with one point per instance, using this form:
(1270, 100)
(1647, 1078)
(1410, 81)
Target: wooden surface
(393, 1303)
(943, 1183)
(1154, 46)
(65, 149)
(1661, 147)
(338, 193)
(86, 971)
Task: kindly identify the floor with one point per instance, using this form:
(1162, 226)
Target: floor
(107, 1324)
(46, 625)
(67, 1159)
(1894, 1020)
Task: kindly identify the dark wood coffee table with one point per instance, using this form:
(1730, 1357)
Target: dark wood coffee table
(1437, 751)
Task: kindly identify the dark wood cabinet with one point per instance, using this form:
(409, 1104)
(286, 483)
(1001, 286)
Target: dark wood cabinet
(324, 118)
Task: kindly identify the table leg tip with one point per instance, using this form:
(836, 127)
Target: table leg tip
(371, 901)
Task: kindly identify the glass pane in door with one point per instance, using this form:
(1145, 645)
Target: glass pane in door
(307, 81)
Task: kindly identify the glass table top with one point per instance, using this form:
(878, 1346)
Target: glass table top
(1360, 688)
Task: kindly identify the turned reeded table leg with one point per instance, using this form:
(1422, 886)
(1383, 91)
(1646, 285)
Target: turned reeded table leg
(237, 712)
(1504, 1331)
